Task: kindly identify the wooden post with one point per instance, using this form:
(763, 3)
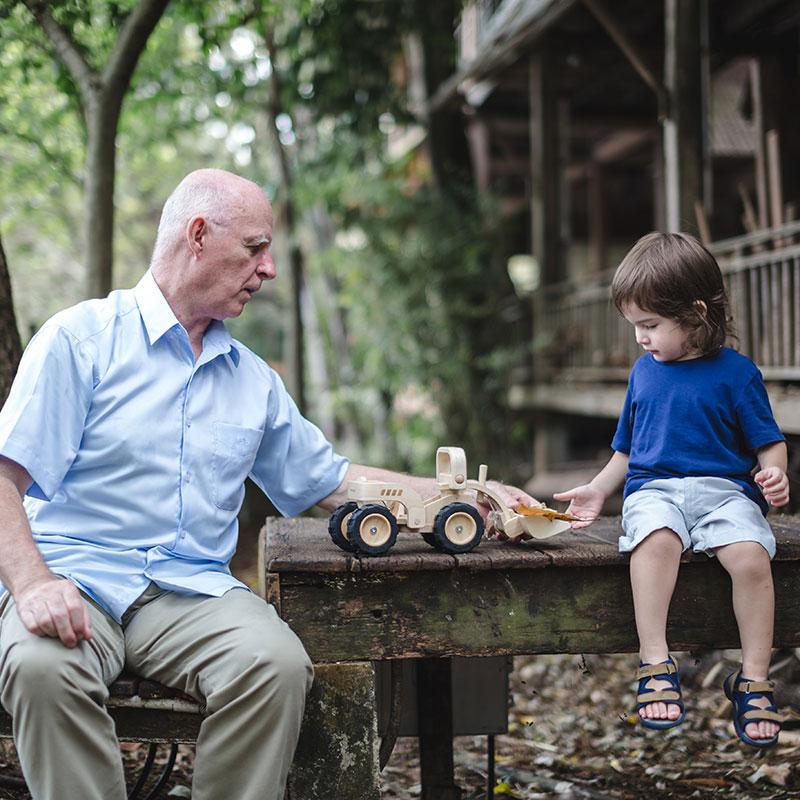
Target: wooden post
(478, 138)
(337, 755)
(595, 217)
(685, 149)
(435, 708)
(774, 87)
(545, 167)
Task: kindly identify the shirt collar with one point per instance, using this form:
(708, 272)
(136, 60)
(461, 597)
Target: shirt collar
(158, 318)
(156, 313)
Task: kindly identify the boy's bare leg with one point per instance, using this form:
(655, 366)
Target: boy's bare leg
(749, 566)
(654, 571)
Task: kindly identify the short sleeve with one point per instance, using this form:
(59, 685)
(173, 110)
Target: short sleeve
(621, 442)
(42, 421)
(754, 413)
(296, 466)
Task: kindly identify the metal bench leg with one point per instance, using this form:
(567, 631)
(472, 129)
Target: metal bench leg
(148, 768)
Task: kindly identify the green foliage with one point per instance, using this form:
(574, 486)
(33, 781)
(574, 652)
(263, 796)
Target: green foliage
(407, 285)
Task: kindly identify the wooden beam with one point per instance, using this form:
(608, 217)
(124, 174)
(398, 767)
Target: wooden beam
(685, 148)
(435, 708)
(596, 218)
(478, 140)
(499, 599)
(629, 49)
(509, 43)
(545, 166)
(620, 144)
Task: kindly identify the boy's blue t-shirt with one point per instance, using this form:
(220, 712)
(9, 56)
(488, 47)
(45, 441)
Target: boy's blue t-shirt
(704, 417)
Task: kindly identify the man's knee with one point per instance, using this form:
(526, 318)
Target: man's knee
(41, 669)
(281, 666)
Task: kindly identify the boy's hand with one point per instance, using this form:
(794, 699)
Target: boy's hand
(774, 485)
(586, 502)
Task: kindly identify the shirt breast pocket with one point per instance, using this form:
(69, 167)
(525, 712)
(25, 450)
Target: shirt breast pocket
(232, 459)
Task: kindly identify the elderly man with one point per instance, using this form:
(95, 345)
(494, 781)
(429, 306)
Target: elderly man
(129, 431)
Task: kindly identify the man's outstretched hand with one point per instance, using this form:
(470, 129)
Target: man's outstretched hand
(54, 607)
(513, 498)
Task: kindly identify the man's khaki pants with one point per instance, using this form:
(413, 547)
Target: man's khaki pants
(232, 653)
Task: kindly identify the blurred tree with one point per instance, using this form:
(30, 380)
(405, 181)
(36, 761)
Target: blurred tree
(100, 65)
(10, 347)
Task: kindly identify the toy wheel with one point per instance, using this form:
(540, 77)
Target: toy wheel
(458, 528)
(431, 540)
(372, 530)
(337, 525)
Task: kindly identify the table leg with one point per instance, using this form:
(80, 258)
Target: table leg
(337, 755)
(435, 709)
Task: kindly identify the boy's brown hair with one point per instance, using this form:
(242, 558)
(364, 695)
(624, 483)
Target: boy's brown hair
(674, 276)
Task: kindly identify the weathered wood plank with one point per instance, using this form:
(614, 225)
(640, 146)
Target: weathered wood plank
(579, 600)
(337, 755)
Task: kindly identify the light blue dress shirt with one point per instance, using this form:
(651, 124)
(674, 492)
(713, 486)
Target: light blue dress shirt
(139, 454)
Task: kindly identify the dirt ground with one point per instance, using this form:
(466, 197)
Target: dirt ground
(572, 735)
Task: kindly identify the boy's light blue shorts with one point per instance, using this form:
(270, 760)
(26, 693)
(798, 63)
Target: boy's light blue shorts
(705, 512)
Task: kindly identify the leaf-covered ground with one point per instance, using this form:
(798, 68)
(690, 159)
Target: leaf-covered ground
(572, 735)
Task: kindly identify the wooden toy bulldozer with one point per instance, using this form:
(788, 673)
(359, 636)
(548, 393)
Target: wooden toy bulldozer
(369, 522)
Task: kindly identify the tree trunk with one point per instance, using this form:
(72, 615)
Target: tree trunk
(447, 142)
(296, 358)
(102, 116)
(10, 345)
(101, 96)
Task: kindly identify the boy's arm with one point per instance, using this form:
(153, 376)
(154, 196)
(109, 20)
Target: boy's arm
(587, 501)
(771, 478)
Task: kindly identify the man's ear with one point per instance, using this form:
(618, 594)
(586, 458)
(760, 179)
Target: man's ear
(196, 232)
(701, 307)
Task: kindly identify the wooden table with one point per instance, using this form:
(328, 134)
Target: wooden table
(568, 594)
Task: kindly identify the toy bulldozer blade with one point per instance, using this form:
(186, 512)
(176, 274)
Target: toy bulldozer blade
(538, 522)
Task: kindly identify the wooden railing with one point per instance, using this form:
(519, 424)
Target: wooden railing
(579, 334)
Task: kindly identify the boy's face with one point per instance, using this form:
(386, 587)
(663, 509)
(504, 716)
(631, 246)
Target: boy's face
(662, 337)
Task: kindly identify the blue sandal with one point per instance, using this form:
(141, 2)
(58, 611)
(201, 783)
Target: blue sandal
(741, 692)
(665, 671)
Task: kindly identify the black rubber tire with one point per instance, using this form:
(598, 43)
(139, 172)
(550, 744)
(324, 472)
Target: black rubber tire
(356, 525)
(431, 540)
(336, 527)
(442, 523)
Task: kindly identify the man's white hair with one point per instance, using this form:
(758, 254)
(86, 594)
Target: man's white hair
(211, 193)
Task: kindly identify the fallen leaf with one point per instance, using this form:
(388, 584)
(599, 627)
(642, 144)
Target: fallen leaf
(503, 789)
(705, 782)
(774, 774)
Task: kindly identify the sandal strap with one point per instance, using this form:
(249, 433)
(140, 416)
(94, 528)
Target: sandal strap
(757, 714)
(649, 670)
(663, 695)
(749, 687)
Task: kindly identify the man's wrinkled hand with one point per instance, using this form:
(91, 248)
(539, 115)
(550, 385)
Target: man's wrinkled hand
(55, 608)
(513, 498)
(511, 495)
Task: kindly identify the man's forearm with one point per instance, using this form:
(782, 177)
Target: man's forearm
(426, 487)
(21, 563)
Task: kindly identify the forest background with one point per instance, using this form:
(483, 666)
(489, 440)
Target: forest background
(393, 319)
